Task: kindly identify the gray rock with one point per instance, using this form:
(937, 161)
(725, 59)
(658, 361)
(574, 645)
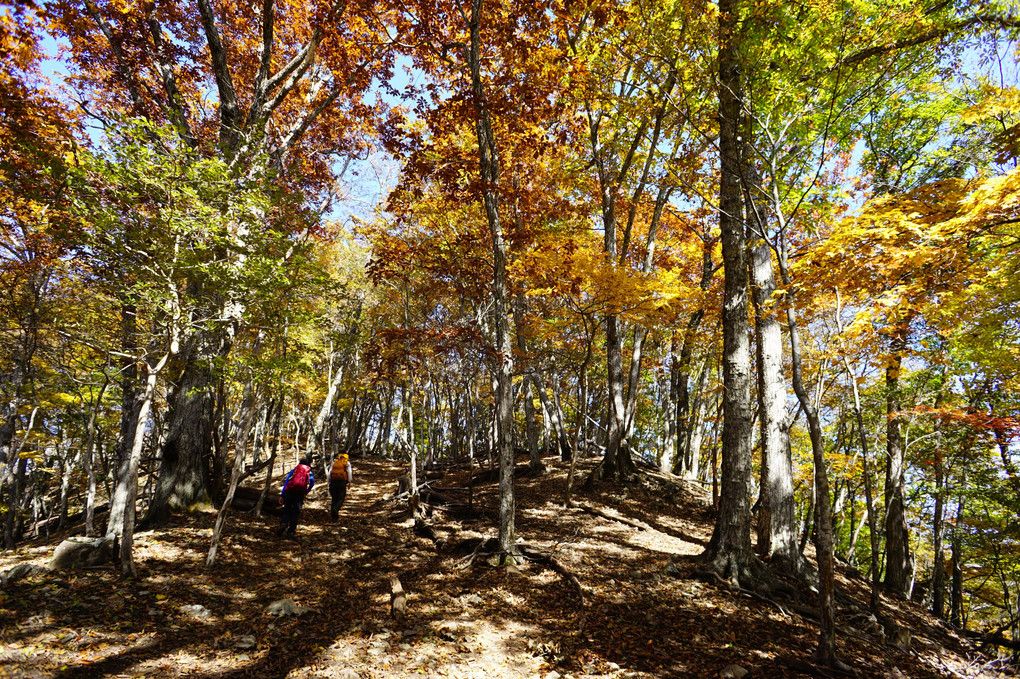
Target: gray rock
(196, 612)
(733, 672)
(19, 572)
(82, 552)
(286, 607)
(245, 642)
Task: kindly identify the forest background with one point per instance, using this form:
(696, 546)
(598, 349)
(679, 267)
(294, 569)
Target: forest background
(770, 247)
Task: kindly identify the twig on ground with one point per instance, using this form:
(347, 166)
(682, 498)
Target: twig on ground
(610, 517)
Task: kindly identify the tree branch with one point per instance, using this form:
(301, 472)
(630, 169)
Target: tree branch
(229, 112)
(177, 113)
(934, 34)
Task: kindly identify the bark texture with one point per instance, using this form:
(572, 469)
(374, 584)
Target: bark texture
(729, 552)
(898, 562)
(488, 164)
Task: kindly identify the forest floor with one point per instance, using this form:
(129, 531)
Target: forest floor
(622, 604)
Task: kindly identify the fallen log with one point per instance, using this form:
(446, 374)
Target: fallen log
(72, 520)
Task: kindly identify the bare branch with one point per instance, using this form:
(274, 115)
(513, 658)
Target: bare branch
(229, 112)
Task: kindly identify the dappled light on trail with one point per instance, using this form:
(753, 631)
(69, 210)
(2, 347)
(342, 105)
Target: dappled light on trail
(632, 616)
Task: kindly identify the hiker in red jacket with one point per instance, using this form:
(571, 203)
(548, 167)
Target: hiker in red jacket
(296, 486)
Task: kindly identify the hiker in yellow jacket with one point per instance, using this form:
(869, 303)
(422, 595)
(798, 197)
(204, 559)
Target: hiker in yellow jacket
(340, 476)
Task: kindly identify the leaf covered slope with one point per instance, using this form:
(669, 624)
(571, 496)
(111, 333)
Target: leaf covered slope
(639, 611)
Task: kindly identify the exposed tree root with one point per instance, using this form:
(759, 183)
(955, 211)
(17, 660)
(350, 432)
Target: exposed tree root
(715, 578)
(804, 667)
(485, 548)
(748, 573)
(609, 517)
(550, 561)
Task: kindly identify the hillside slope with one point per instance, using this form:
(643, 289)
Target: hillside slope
(615, 600)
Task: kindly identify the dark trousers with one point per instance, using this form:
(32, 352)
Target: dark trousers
(292, 501)
(338, 493)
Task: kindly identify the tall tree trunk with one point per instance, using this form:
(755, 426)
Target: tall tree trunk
(824, 548)
(612, 464)
(184, 463)
(488, 164)
(276, 414)
(938, 576)
(327, 406)
(695, 436)
(729, 551)
(67, 465)
(534, 452)
(899, 565)
(582, 414)
(776, 518)
(131, 392)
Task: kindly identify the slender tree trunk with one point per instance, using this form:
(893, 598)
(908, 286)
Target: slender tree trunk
(899, 567)
(616, 413)
(412, 447)
(327, 406)
(89, 462)
(240, 450)
(869, 493)
(938, 577)
(529, 381)
(956, 598)
(555, 419)
(15, 482)
(826, 652)
(488, 164)
(824, 547)
(696, 433)
(128, 483)
(534, 452)
(131, 392)
(471, 441)
(582, 414)
(276, 413)
(858, 527)
(633, 388)
(670, 445)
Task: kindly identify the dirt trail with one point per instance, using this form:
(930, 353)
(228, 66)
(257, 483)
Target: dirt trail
(629, 619)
